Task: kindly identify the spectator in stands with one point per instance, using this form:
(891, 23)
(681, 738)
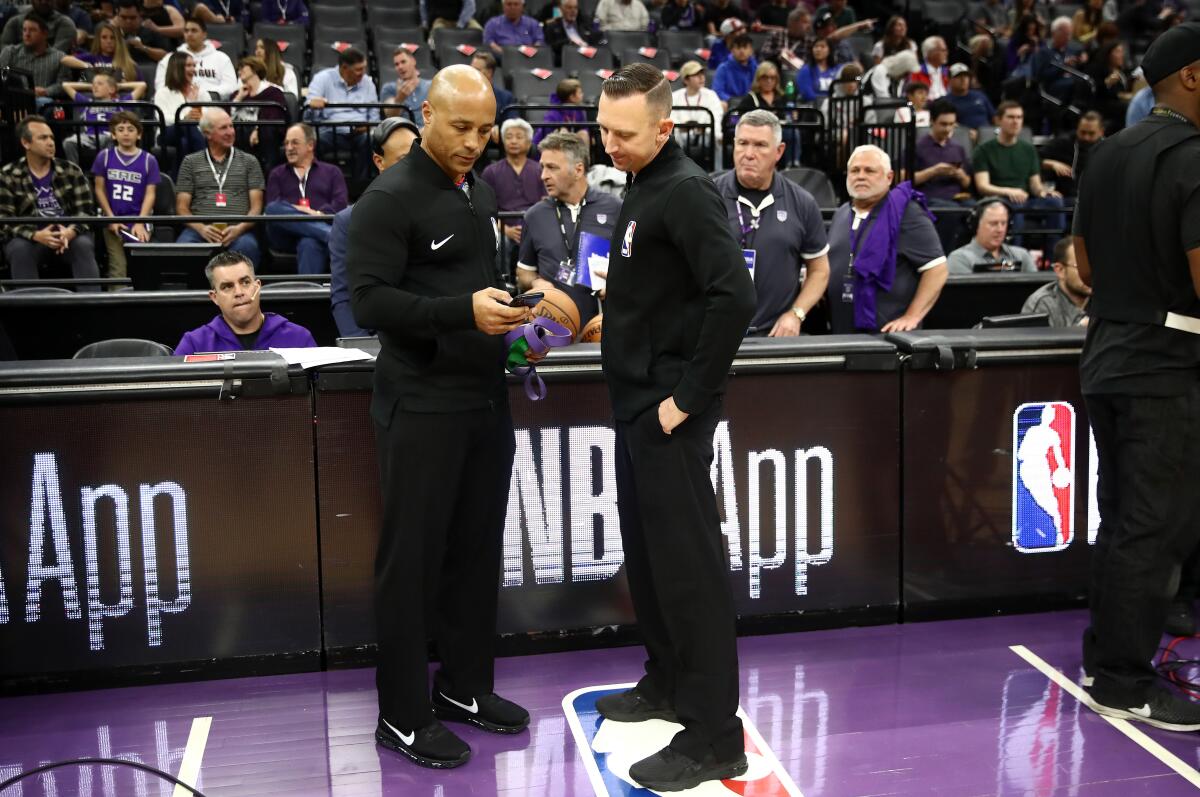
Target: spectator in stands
(517, 180)
(60, 29)
(943, 171)
(221, 180)
(816, 76)
(1008, 167)
(304, 185)
(1140, 106)
(694, 94)
(1021, 9)
(1114, 85)
(84, 27)
(260, 140)
(900, 243)
(554, 250)
(935, 53)
(622, 15)
(485, 63)
(106, 11)
(391, 140)
(242, 325)
(987, 251)
(840, 11)
(778, 226)
(279, 72)
(683, 15)
(993, 15)
(36, 56)
(886, 80)
(974, 108)
(826, 27)
(448, 14)
(126, 178)
(717, 11)
(734, 77)
(765, 91)
(916, 91)
(214, 72)
(285, 12)
(108, 51)
(165, 20)
(573, 28)
(1087, 21)
(721, 48)
(1065, 300)
(218, 12)
(104, 88)
(180, 87)
(41, 185)
(1059, 52)
(145, 44)
(409, 89)
(1023, 47)
(894, 40)
(568, 92)
(1066, 157)
(348, 82)
(774, 14)
(512, 28)
(792, 45)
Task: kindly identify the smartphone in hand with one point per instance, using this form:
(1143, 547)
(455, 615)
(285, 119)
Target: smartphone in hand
(530, 299)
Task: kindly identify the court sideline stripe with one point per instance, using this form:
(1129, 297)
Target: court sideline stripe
(189, 767)
(1124, 726)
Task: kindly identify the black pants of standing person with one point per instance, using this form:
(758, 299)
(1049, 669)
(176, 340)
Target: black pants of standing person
(1148, 501)
(677, 564)
(445, 481)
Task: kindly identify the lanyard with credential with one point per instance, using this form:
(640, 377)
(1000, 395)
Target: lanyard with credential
(303, 182)
(572, 248)
(220, 179)
(748, 231)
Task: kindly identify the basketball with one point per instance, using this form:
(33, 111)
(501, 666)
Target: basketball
(559, 307)
(591, 330)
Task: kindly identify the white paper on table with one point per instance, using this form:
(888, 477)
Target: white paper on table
(321, 355)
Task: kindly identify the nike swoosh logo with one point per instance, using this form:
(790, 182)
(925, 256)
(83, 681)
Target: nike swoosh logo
(441, 243)
(473, 708)
(1144, 711)
(406, 738)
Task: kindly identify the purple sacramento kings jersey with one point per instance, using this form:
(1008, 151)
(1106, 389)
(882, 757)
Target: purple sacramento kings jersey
(125, 180)
(47, 202)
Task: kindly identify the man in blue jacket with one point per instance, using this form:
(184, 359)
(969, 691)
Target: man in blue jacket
(242, 325)
(734, 77)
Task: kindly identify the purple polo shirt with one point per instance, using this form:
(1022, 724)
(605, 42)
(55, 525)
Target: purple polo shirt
(324, 185)
(930, 153)
(499, 30)
(217, 336)
(515, 192)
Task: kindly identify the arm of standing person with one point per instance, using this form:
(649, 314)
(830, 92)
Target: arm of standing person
(467, 13)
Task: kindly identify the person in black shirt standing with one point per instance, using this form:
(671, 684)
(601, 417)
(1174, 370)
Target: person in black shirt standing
(1137, 244)
(679, 301)
(421, 267)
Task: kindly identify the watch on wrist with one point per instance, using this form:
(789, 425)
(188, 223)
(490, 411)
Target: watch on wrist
(799, 313)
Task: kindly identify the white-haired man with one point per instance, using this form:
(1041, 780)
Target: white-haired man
(220, 180)
(886, 263)
(934, 54)
(1061, 51)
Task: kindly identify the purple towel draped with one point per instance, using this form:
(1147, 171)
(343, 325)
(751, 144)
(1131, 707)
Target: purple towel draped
(875, 261)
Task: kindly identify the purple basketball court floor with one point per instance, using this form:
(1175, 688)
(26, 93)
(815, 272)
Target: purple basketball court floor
(961, 708)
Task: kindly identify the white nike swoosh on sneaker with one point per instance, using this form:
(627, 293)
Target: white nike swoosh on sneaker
(1143, 711)
(473, 708)
(408, 739)
(438, 245)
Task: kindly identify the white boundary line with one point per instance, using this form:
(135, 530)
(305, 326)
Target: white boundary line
(189, 768)
(1124, 726)
(593, 771)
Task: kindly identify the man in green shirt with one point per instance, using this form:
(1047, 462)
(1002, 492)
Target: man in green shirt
(1008, 167)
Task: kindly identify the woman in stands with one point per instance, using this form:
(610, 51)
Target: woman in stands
(817, 74)
(1114, 86)
(279, 72)
(1087, 21)
(895, 39)
(764, 91)
(108, 51)
(180, 87)
(262, 140)
(1024, 44)
(1022, 9)
(683, 15)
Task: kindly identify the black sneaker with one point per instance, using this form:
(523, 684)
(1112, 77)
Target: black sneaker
(490, 712)
(1163, 709)
(669, 770)
(1181, 619)
(632, 706)
(432, 746)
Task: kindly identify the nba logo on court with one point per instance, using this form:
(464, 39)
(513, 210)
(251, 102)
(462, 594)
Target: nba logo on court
(627, 241)
(1043, 477)
(609, 748)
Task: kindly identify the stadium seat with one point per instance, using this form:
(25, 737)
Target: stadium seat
(454, 36)
(514, 60)
(575, 61)
(374, 4)
(592, 83)
(646, 55)
(815, 182)
(232, 38)
(681, 44)
(535, 88)
(385, 48)
(123, 347)
(449, 54)
(294, 35)
(394, 17)
(400, 33)
(324, 56)
(325, 35)
(621, 40)
(164, 205)
(338, 15)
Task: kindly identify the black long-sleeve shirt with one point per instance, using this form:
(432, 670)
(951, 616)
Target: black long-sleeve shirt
(679, 294)
(419, 248)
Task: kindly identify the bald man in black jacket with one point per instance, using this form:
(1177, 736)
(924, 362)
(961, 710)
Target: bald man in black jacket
(679, 301)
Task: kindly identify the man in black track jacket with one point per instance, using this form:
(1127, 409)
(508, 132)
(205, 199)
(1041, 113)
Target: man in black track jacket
(421, 268)
(679, 300)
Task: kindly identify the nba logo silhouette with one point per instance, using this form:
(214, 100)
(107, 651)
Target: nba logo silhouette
(1043, 506)
(627, 241)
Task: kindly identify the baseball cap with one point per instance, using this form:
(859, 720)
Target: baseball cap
(1173, 50)
(823, 19)
(731, 25)
(959, 69)
(691, 68)
(383, 131)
